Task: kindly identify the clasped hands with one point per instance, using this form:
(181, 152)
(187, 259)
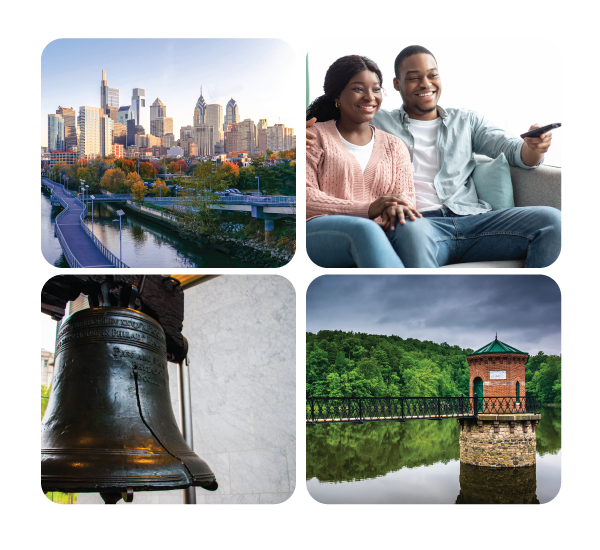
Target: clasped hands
(392, 209)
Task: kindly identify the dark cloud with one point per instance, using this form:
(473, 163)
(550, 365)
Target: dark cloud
(466, 310)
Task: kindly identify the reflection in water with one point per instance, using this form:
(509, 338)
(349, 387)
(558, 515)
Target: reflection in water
(145, 243)
(497, 485)
(418, 461)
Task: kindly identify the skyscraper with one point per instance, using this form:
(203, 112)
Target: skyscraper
(160, 124)
(138, 106)
(247, 130)
(70, 127)
(157, 110)
(89, 132)
(204, 137)
(261, 134)
(232, 113)
(56, 133)
(109, 97)
(200, 110)
(214, 116)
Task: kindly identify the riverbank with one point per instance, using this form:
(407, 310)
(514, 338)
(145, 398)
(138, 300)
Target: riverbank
(257, 253)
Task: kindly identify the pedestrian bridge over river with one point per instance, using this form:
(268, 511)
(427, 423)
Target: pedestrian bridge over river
(265, 207)
(80, 247)
(322, 410)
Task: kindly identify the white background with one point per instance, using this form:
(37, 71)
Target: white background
(514, 82)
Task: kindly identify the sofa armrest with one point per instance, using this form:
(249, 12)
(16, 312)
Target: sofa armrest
(539, 187)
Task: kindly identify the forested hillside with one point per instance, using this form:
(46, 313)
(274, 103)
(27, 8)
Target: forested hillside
(349, 364)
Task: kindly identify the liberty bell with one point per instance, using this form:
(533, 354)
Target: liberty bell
(109, 426)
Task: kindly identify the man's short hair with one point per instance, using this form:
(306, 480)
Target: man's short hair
(407, 52)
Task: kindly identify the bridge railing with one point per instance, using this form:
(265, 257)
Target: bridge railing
(70, 257)
(99, 245)
(267, 200)
(365, 409)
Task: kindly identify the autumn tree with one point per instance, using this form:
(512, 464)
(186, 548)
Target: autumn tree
(147, 170)
(156, 165)
(229, 173)
(113, 181)
(181, 166)
(139, 190)
(160, 189)
(132, 178)
(126, 165)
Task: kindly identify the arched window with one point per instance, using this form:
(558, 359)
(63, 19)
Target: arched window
(518, 391)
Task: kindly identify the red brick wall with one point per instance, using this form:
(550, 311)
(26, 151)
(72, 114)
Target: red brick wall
(514, 365)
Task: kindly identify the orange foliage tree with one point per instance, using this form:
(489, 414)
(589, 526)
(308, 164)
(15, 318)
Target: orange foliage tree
(230, 168)
(181, 166)
(126, 165)
(113, 180)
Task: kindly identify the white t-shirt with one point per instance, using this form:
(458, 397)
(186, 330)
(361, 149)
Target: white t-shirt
(361, 152)
(425, 165)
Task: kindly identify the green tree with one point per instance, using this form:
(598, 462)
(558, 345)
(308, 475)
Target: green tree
(201, 203)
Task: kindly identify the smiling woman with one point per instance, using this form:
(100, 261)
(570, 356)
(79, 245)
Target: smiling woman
(358, 179)
(338, 79)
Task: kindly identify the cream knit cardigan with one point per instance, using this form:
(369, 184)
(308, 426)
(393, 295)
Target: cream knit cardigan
(335, 183)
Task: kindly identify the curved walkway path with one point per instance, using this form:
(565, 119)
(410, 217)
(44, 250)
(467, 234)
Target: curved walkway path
(76, 238)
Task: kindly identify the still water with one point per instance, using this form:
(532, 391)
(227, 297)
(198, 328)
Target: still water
(417, 462)
(144, 243)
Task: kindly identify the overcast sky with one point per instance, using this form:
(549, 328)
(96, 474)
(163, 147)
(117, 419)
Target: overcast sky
(463, 310)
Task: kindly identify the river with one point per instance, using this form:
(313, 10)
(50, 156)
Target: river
(144, 242)
(417, 462)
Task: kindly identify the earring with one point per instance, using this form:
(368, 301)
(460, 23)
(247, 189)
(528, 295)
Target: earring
(337, 105)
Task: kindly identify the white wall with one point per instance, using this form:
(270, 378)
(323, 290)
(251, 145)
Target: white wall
(506, 78)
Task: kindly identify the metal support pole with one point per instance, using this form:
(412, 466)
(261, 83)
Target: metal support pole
(185, 415)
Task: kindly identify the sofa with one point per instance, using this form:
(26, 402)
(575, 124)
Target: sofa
(539, 187)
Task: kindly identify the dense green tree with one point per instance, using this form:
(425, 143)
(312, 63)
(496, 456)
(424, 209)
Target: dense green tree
(341, 363)
(371, 365)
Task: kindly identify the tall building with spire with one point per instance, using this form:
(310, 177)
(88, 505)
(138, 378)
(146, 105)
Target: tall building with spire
(109, 97)
(232, 113)
(203, 134)
(200, 110)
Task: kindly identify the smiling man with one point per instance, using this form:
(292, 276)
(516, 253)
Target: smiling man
(456, 226)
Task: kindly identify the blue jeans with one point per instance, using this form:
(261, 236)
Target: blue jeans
(439, 238)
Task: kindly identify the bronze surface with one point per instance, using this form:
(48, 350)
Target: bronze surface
(109, 425)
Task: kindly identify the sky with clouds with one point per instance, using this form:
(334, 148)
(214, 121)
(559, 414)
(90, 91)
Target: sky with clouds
(463, 310)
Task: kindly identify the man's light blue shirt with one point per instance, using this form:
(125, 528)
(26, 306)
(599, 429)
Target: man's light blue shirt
(461, 135)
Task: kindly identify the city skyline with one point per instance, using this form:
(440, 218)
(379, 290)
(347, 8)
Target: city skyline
(72, 73)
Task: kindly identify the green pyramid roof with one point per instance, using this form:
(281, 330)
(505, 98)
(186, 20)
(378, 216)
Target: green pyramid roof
(496, 347)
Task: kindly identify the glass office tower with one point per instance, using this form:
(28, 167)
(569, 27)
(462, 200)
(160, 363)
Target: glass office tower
(141, 114)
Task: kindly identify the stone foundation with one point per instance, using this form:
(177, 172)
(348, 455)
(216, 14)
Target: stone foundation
(499, 440)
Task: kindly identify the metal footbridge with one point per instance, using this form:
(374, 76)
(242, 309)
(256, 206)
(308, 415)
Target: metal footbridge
(323, 410)
(80, 247)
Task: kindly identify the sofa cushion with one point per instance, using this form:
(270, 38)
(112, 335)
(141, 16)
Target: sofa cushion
(488, 265)
(493, 183)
